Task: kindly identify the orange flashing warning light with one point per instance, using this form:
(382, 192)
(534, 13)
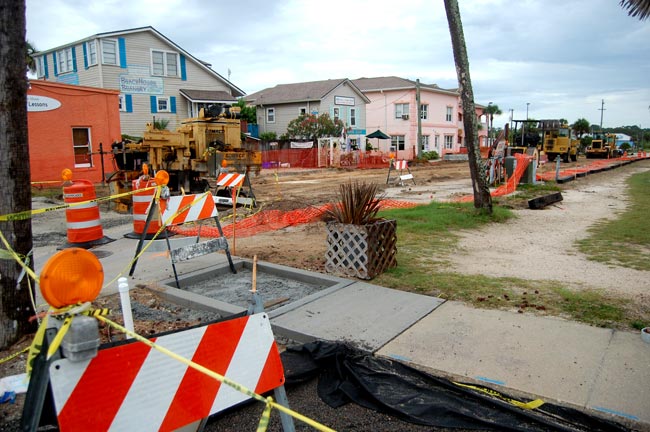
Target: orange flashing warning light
(66, 174)
(71, 276)
(162, 178)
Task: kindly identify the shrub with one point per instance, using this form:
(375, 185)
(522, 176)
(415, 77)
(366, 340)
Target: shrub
(430, 155)
(268, 136)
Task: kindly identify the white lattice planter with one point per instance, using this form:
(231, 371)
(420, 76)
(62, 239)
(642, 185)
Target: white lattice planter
(361, 251)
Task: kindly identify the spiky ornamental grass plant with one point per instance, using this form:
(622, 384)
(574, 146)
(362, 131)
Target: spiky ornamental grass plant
(358, 204)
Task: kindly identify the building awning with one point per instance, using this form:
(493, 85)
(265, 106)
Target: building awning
(207, 96)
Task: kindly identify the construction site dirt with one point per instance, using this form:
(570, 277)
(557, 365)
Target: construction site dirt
(534, 235)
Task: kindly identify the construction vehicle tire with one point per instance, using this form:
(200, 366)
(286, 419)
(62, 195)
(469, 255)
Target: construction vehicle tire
(574, 157)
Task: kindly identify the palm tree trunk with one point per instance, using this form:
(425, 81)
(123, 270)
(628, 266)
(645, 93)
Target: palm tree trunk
(15, 192)
(482, 198)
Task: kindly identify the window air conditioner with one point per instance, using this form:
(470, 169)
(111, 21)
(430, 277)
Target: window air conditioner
(405, 116)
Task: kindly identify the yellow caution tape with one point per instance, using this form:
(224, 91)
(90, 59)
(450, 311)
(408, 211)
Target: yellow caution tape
(266, 415)
(240, 388)
(525, 405)
(13, 356)
(56, 342)
(9, 252)
(29, 213)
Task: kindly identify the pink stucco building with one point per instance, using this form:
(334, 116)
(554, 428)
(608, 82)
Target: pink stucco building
(392, 109)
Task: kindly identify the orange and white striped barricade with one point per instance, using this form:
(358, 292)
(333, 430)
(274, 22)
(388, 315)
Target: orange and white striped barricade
(228, 181)
(177, 210)
(83, 220)
(400, 166)
(133, 386)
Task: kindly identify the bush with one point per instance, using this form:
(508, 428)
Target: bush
(430, 155)
(160, 124)
(268, 136)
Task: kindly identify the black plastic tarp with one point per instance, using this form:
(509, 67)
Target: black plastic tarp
(347, 374)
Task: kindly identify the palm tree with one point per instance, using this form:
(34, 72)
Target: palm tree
(15, 192)
(580, 127)
(491, 110)
(482, 198)
(637, 8)
(30, 60)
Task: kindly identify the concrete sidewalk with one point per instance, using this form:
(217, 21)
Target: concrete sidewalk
(601, 370)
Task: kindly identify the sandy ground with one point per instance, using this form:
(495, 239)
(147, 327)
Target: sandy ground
(540, 244)
(537, 245)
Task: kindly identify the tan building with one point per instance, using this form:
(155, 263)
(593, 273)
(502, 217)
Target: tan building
(155, 77)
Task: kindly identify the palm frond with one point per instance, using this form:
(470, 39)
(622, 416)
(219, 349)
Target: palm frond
(637, 8)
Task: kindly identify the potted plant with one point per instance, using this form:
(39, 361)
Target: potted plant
(360, 244)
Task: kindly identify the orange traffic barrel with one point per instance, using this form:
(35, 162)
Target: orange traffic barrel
(83, 220)
(142, 204)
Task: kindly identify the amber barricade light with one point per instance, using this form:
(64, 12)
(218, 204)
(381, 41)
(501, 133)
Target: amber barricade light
(66, 175)
(162, 178)
(71, 276)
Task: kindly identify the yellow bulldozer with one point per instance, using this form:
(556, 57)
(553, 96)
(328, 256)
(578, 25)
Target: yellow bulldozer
(558, 140)
(603, 146)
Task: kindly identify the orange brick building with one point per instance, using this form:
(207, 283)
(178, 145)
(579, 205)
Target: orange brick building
(66, 126)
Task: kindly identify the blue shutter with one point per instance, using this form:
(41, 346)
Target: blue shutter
(121, 42)
(74, 60)
(85, 56)
(45, 71)
(172, 102)
(183, 70)
(154, 104)
(129, 103)
(56, 68)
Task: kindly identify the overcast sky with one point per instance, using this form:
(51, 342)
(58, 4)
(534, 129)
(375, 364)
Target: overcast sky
(562, 57)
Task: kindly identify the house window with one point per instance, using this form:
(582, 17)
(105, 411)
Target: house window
(302, 111)
(401, 109)
(40, 67)
(449, 141)
(64, 60)
(164, 63)
(425, 142)
(460, 116)
(82, 147)
(336, 113)
(436, 142)
(270, 115)
(91, 53)
(109, 51)
(448, 116)
(397, 142)
(122, 102)
(424, 112)
(354, 144)
(163, 104)
(353, 117)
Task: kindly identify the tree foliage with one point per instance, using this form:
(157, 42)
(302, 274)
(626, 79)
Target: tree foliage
(309, 126)
(580, 127)
(248, 112)
(637, 8)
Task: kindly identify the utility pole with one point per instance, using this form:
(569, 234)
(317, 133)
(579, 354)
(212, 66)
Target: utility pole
(601, 109)
(417, 103)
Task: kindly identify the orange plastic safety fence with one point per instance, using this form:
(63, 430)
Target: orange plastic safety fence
(511, 185)
(271, 220)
